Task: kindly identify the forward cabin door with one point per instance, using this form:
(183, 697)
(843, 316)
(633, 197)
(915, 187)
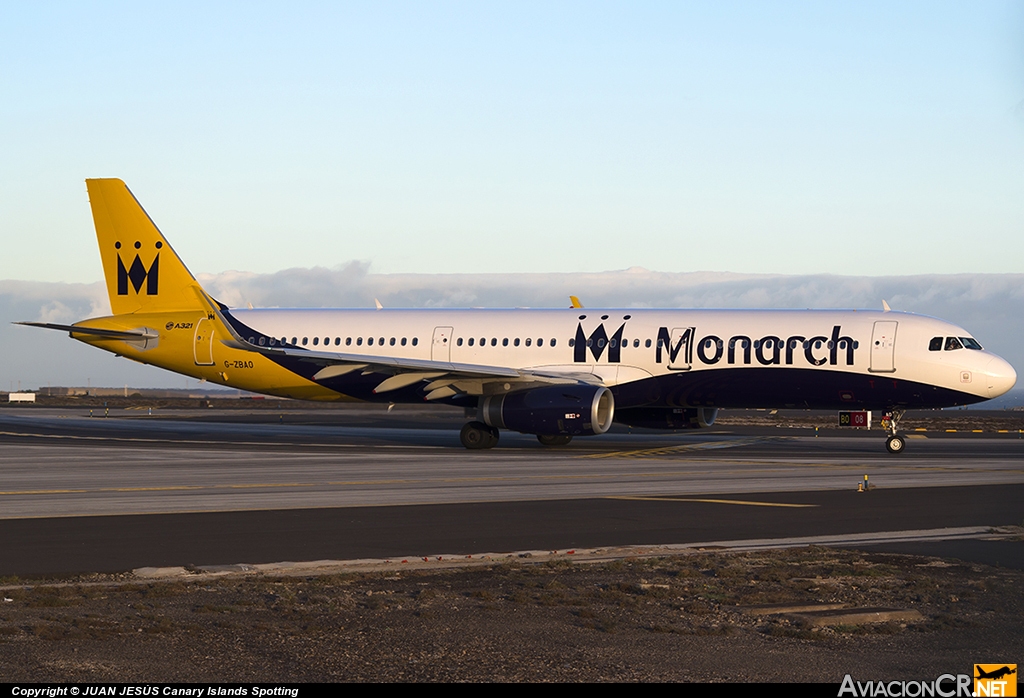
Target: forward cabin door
(441, 348)
(204, 342)
(883, 347)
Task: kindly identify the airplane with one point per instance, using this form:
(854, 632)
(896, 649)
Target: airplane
(555, 373)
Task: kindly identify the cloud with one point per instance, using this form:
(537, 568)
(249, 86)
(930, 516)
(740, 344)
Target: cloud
(988, 305)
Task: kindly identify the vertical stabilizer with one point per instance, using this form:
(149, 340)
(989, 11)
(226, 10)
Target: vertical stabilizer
(143, 273)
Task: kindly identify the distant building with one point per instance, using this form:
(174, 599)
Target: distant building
(151, 393)
(21, 397)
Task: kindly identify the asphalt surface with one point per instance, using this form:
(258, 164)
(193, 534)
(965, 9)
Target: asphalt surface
(80, 494)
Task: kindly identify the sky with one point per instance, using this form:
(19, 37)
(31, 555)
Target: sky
(673, 154)
(852, 138)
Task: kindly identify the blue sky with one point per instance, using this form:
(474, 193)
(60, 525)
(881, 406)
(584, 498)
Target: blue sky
(791, 138)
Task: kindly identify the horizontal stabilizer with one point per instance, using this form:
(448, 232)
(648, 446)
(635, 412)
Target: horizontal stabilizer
(127, 335)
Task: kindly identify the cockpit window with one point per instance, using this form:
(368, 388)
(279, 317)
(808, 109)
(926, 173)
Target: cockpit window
(935, 344)
(953, 343)
(971, 343)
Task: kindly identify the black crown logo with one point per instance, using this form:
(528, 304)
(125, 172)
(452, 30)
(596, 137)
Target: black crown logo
(137, 273)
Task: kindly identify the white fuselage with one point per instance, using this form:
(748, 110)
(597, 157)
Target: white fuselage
(627, 345)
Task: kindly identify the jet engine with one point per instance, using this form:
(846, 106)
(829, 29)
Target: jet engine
(667, 417)
(573, 410)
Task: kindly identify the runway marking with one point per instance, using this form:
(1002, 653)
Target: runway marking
(668, 450)
(745, 467)
(199, 442)
(716, 501)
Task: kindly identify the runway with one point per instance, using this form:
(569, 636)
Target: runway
(80, 493)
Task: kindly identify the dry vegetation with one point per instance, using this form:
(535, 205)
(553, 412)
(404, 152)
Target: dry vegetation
(684, 618)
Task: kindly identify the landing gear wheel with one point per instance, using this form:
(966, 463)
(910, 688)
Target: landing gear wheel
(554, 439)
(477, 435)
(895, 444)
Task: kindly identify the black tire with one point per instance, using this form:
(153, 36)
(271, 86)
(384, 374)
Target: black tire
(554, 439)
(477, 435)
(895, 444)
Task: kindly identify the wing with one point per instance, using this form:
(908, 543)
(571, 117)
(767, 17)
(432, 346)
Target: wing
(445, 379)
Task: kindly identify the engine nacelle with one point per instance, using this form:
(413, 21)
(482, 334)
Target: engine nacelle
(668, 417)
(561, 409)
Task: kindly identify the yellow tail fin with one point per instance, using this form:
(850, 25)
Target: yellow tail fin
(142, 271)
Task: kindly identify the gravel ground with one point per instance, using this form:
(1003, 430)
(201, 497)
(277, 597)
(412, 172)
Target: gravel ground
(680, 618)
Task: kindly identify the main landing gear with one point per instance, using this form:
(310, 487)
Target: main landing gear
(895, 443)
(554, 439)
(477, 435)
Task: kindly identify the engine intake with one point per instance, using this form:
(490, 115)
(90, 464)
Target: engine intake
(561, 409)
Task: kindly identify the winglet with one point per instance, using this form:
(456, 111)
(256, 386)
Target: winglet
(885, 306)
(377, 303)
(575, 302)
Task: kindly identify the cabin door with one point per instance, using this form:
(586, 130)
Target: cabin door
(883, 347)
(441, 348)
(680, 349)
(204, 342)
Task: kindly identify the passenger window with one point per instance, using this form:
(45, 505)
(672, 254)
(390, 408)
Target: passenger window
(516, 341)
(952, 343)
(263, 341)
(415, 341)
(528, 341)
(404, 340)
(304, 340)
(636, 343)
(552, 342)
(369, 341)
(458, 342)
(381, 341)
(359, 341)
(647, 344)
(348, 341)
(935, 344)
(295, 340)
(504, 342)
(540, 342)
(392, 342)
(494, 341)
(470, 341)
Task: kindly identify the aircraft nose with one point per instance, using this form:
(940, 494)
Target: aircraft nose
(1000, 375)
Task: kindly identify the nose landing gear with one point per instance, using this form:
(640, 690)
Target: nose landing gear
(895, 443)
